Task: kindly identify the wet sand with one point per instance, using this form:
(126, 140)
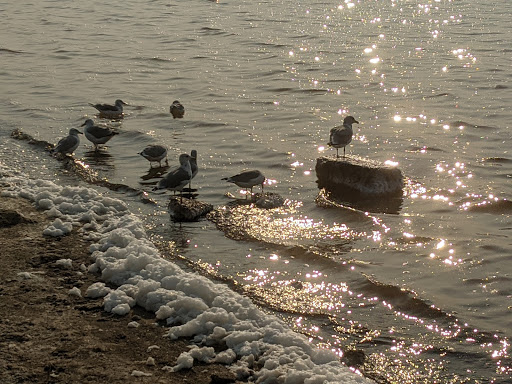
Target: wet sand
(48, 335)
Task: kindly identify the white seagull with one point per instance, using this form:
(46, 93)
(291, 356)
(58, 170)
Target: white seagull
(67, 145)
(176, 179)
(342, 136)
(155, 153)
(247, 179)
(97, 135)
(110, 111)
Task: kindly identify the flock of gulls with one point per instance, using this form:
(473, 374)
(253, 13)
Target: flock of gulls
(177, 178)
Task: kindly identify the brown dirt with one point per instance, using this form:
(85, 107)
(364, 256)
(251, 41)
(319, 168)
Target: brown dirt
(50, 336)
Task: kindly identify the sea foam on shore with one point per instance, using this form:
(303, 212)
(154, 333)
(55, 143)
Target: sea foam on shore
(255, 345)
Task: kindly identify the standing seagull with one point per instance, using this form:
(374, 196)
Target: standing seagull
(177, 109)
(247, 179)
(155, 153)
(68, 144)
(193, 166)
(97, 135)
(176, 179)
(110, 111)
(342, 136)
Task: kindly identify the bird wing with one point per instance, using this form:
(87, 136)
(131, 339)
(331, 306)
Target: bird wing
(247, 175)
(155, 151)
(104, 107)
(176, 177)
(100, 132)
(66, 143)
(340, 135)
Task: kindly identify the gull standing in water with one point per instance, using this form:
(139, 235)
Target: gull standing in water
(67, 145)
(176, 179)
(110, 111)
(342, 136)
(177, 109)
(155, 153)
(247, 179)
(97, 135)
(193, 166)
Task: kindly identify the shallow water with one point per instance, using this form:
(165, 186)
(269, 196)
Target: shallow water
(423, 291)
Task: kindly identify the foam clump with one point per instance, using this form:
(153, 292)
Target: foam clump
(75, 291)
(58, 228)
(65, 263)
(28, 276)
(97, 290)
(259, 347)
(186, 359)
(136, 373)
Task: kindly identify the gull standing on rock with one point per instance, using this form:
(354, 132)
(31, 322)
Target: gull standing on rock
(193, 166)
(247, 179)
(97, 135)
(177, 109)
(110, 111)
(342, 136)
(155, 153)
(176, 179)
(67, 145)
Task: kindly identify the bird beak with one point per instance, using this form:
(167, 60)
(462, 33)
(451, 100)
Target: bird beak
(83, 124)
(355, 121)
(80, 132)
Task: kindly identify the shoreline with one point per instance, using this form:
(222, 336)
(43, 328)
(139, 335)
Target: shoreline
(51, 333)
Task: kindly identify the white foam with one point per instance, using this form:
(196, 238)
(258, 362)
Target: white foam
(192, 305)
(75, 291)
(96, 290)
(65, 263)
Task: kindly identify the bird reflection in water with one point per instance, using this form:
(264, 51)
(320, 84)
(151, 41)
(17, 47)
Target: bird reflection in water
(154, 174)
(99, 158)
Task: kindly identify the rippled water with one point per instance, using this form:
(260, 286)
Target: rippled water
(423, 290)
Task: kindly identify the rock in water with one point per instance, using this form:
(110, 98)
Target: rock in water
(188, 209)
(356, 176)
(268, 200)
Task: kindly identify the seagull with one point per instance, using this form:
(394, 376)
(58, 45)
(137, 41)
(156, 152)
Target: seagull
(177, 109)
(97, 135)
(110, 111)
(247, 179)
(67, 145)
(342, 136)
(193, 165)
(176, 179)
(155, 153)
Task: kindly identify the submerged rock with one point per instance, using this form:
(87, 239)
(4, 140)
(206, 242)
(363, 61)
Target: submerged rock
(268, 200)
(243, 219)
(184, 209)
(355, 177)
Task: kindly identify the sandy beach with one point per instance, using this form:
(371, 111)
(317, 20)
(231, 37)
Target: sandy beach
(53, 334)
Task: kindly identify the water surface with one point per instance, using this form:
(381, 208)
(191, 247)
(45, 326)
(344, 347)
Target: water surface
(423, 290)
